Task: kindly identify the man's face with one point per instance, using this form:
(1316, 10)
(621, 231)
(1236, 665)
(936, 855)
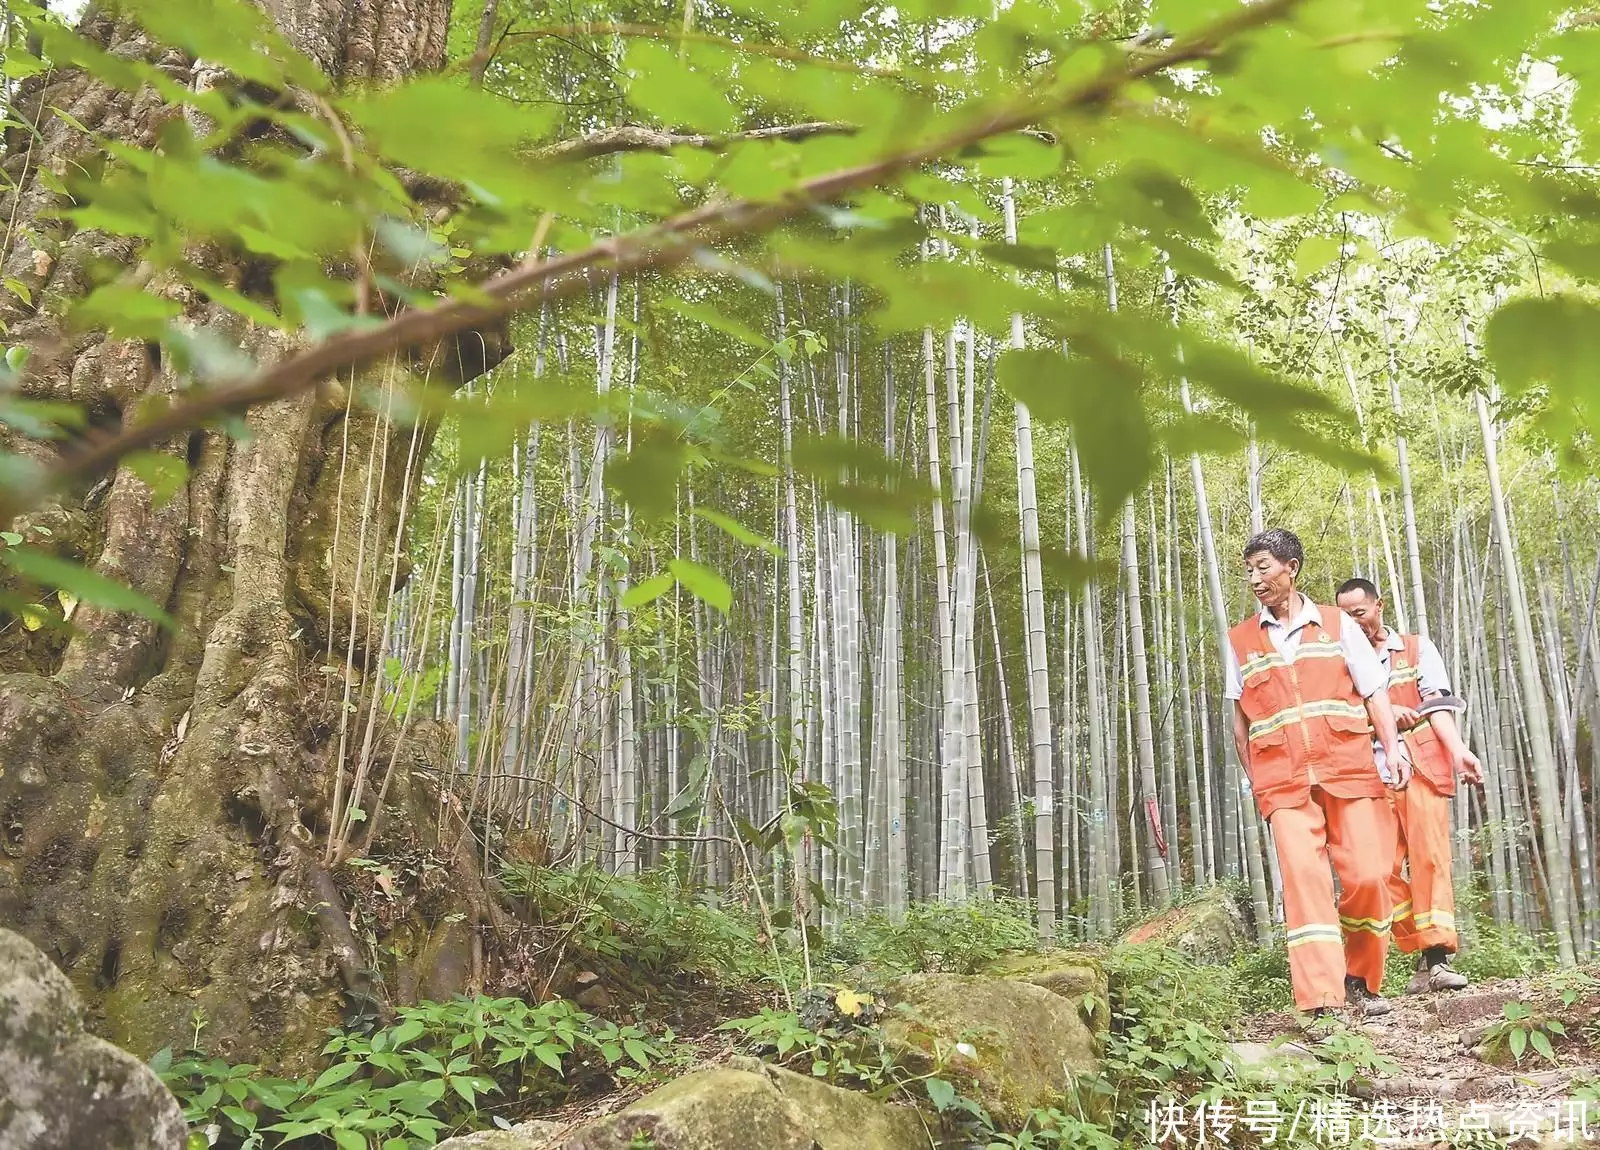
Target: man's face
(1365, 610)
(1271, 581)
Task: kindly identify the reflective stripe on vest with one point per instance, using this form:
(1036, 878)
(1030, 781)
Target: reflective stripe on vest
(1405, 690)
(1302, 714)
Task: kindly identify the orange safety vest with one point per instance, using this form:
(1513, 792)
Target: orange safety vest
(1305, 715)
(1428, 755)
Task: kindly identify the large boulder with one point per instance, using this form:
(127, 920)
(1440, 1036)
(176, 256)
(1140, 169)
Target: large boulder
(1075, 975)
(1209, 928)
(63, 1089)
(750, 1105)
(1015, 1045)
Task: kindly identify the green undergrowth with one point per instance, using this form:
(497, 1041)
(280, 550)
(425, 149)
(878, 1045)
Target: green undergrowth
(934, 937)
(438, 1069)
(661, 928)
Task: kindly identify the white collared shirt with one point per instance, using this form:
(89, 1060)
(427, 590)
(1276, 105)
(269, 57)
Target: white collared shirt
(1368, 674)
(1432, 678)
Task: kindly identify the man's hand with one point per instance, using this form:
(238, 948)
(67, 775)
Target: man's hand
(1404, 717)
(1399, 767)
(1466, 765)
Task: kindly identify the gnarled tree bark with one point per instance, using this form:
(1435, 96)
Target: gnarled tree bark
(164, 795)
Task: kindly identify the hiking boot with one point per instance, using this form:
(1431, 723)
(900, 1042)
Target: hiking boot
(1422, 981)
(1442, 977)
(1362, 1003)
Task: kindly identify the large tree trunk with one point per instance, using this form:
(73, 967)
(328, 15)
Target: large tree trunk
(165, 796)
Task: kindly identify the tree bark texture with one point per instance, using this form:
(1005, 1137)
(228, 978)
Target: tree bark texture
(165, 795)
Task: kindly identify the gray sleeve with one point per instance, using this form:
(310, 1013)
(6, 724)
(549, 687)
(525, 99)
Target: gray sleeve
(1232, 684)
(1365, 670)
(1432, 678)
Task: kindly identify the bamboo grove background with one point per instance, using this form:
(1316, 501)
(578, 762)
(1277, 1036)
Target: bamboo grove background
(994, 687)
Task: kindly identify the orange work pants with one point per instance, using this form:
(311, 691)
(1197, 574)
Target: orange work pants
(1326, 942)
(1424, 903)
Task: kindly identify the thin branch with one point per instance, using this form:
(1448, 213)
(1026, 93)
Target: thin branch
(479, 63)
(635, 138)
(662, 246)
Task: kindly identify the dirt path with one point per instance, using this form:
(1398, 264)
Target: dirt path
(1443, 1089)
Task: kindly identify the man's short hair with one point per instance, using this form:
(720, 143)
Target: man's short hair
(1280, 544)
(1366, 586)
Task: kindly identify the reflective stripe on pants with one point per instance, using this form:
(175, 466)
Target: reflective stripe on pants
(1424, 903)
(1355, 837)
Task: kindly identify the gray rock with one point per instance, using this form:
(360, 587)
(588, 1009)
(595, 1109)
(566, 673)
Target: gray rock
(64, 1089)
(1209, 929)
(1015, 1045)
(765, 1107)
(535, 1135)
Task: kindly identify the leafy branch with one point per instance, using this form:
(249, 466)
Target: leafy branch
(662, 246)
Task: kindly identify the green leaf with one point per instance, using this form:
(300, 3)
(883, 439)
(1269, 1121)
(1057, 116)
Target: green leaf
(1519, 1043)
(446, 128)
(941, 1094)
(1541, 1043)
(232, 34)
(647, 476)
(1315, 253)
(1553, 340)
(124, 310)
(1101, 403)
(647, 592)
(353, 1139)
(676, 88)
(738, 530)
(88, 586)
(240, 1117)
(165, 475)
(407, 1031)
(334, 1075)
(703, 583)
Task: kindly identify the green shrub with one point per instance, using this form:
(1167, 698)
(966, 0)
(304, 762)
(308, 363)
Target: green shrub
(1263, 977)
(1502, 952)
(656, 923)
(835, 1035)
(935, 937)
(430, 1072)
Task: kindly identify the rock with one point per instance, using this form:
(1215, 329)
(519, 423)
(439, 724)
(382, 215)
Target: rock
(63, 1089)
(528, 1136)
(1073, 974)
(1272, 1062)
(1016, 1045)
(730, 1108)
(1210, 928)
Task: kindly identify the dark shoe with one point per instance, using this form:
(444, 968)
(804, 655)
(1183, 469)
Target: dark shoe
(1362, 1003)
(1443, 977)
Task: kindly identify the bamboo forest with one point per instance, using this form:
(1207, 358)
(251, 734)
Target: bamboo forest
(712, 574)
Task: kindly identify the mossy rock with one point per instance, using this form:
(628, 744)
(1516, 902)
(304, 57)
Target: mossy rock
(1209, 928)
(732, 1108)
(536, 1135)
(1015, 1045)
(63, 1089)
(1076, 975)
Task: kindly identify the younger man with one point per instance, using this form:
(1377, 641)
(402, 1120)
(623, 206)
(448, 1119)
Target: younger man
(1424, 902)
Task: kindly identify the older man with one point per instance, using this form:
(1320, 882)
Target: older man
(1424, 899)
(1308, 693)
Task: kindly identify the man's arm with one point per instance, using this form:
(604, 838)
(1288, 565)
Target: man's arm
(1241, 735)
(1395, 752)
(1372, 684)
(1462, 759)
